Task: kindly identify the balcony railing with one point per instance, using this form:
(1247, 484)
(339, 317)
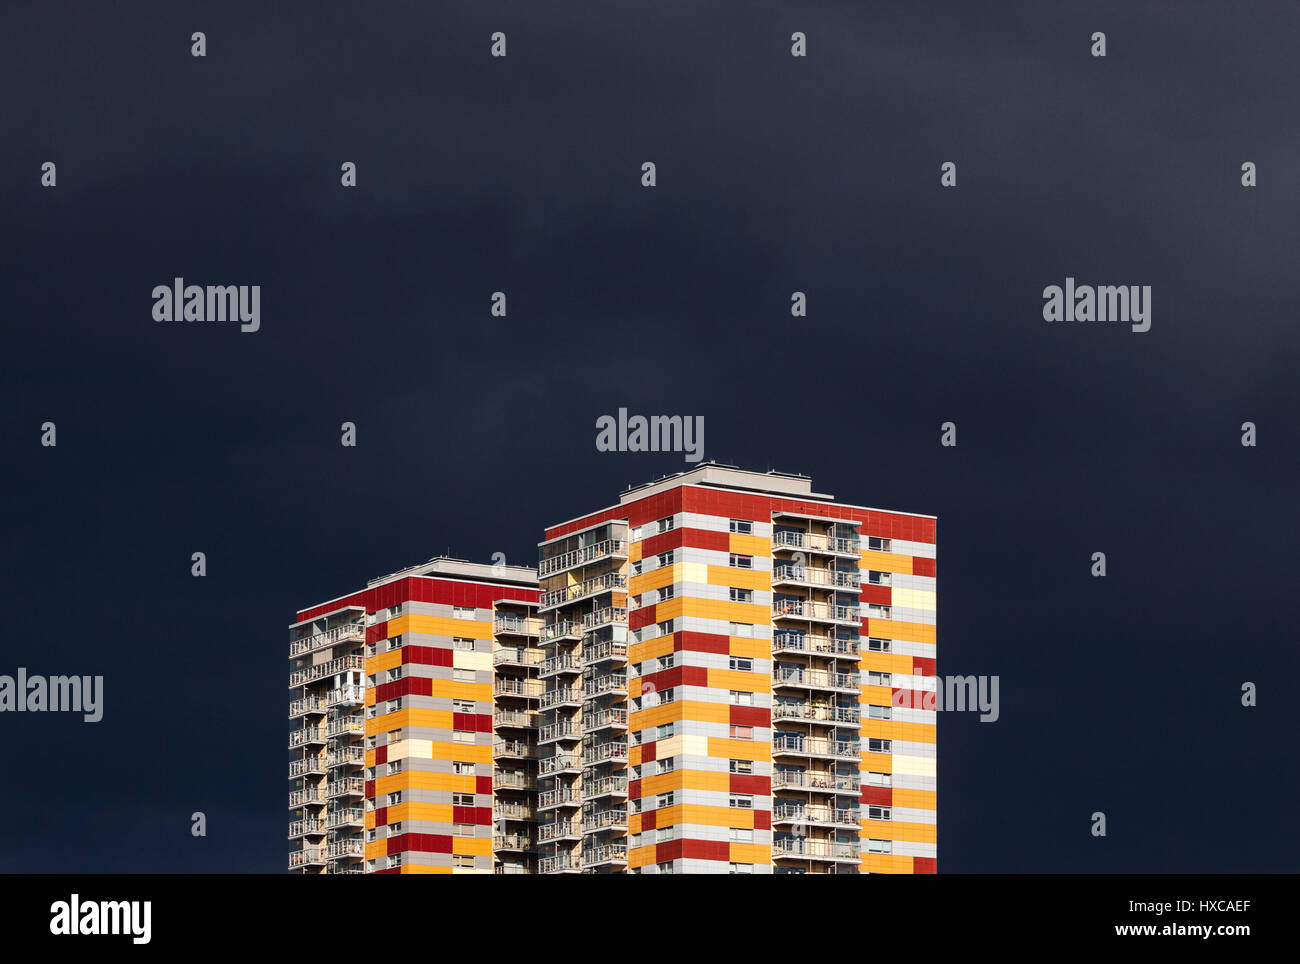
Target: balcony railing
(525, 689)
(513, 811)
(517, 656)
(815, 848)
(599, 719)
(306, 735)
(810, 576)
(346, 786)
(615, 649)
(306, 857)
(353, 847)
(609, 614)
(563, 864)
(353, 724)
(346, 755)
(605, 819)
(298, 828)
(784, 640)
(565, 663)
(560, 696)
(810, 746)
(557, 830)
(807, 609)
(559, 731)
(607, 853)
(613, 785)
(513, 780)
(518, 625)
(347, 694)
(308, 704)
(320, 671)
(524, 718)
(815, 815)
(305, 644)
(817, 542)
(815, 678)
(581, 557)
(513, 841)
(341, 818)
(603, 753)
(559, 629)
(310, 764)
(514, 748)
(549, 766)
(799, 779)
(589, 587)
(787, 710)
(558, 798)
(306, 797)
(610, 683)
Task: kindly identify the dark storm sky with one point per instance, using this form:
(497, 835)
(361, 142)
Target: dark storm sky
(775, 174)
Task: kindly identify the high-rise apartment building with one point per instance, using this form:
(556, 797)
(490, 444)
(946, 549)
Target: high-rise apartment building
(416, 709)
(725, 672)
(731, 665)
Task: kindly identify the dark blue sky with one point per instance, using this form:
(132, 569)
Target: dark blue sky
(775, 174)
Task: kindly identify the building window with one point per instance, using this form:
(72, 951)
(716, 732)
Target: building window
(879, 813)
(876, 645)
(393, 799)
(665, 558)
(741, 526)
(879, 746)
(744, 630)
(666, 628)
(741, 698)
(877, 578)
(463, 736)
(880, 846)
(742, 595)
(740, 869)
(668, 764)
(741, 766)
(665, 524)
(877, 544)
(667, 592)
(462, 830)
(463, 706)
(664, 800)
(742, 732)
(666, 730)
(463, 860)
(741, 801)
(741, 562)
(879, 712)
(462, 799)
(665, 868)
(394, 829)
(879, 779)
(879, 679)
(464, 675)
(741, 665)
(740, 835)
(462, 768)
(462, 612)
(462, 642)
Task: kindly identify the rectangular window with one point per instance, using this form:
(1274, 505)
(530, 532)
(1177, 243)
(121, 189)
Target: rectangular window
(744, 630)
(742, 595)
(879, 679)
(741, 665)
(879, 746)
(667, 592)
(741, 801)
(462, 768)
(394, 799)
(741, 526)
(880, 813)
(463, 860)
(462, 642)
(880, 779)
(462, 612)
(463, 736)
(665, 558)
(462, 706)
(742, 732)
(665, 800)
(877, 578)
(879, 712)
(740, 835)
(741, 698)
(877, 645)
(741, 766)
(880, 846)
(464, 675)
(877, 544)
(740, 868)
(666, 730)
(668, 764)
(665, 524)
(737, 561)
(462, 799)
(462, 830)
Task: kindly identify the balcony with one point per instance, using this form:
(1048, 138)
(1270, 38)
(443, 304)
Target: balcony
(610, 853)
(308, 704)
(529, 689)
(595, 586)
(603, 685)
(560, 763)
(559, 799)
(307, 797)
(559, 830)
(807, 609)
(815, 713)
(348, 817)
(505, 623)
(789, 641)
(347, 787)
(513, 842)
(353, 847)
(814, 816)
(560, 629)
(520, 719)
(817, 781)
(565, 696)
(563, 864)
(312, 826)
(817, 542)
(612, 650)
(603, 820)
(508, 810)
(811, 848)
(517, 656)
(559, 731)
(307, 857)
(307, 736)
(347, 695)
(614, 785)
(321, 670)
(609, 718)
(604, 616)
(513, 780)
(788, 745)
(605, 752)
(352, 725)
(348, 755)
(306, 765)
(799, 677)
(820, 578)
(586, 556)
(352, 632)
(514, 749)
(561, 664)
